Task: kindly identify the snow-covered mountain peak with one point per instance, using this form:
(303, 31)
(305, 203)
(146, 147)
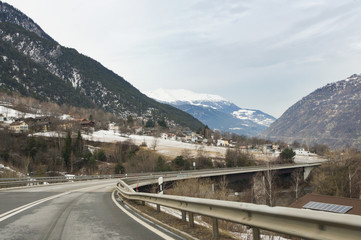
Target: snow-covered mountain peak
(215, 111)
(182, 95)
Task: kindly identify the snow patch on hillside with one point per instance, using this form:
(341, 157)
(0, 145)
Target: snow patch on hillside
(12, 113)
(245, 114)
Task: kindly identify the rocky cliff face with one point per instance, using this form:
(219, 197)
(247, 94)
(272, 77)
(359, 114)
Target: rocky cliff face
(330, 115)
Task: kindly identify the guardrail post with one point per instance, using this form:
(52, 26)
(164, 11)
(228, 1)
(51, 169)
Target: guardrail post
(183, 216)
(191, 219)
(158, 208)
(215, 228)
(256, 233)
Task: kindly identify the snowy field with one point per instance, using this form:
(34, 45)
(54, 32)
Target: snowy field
(173, 148)
(165, 147)
(11, 113)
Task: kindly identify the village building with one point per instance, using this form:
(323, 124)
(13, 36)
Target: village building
(137, 129)
(302, 151)
(38, 124)
(43, 126)
(243, 148)
(275, 147)
(2, 118)
(223, 142)
(113, 127)
(87, 123)
(164, 136)
(19, 126)
(172, 137)
(267, 148)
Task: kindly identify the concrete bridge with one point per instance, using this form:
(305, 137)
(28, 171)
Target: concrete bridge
(230, 173)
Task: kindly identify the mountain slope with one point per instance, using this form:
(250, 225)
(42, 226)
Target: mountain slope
(10, 14)
(215, 111)
(37, 65)
(330, 115)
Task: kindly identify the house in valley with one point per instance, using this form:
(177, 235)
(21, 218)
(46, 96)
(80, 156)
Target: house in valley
(2, 118)
(87, 123)
(19, 126)
(223, 142)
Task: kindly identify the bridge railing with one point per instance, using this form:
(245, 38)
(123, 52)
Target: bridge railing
(294, 222)
(31, 181)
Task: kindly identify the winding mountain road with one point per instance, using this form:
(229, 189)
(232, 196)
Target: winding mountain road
(80, 210)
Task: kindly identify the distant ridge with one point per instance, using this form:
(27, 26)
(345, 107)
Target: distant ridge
(330, 115)
(215, 111)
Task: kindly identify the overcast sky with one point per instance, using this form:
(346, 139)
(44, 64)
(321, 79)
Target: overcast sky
(260, 54)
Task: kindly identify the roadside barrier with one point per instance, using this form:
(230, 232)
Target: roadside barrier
(302, 223)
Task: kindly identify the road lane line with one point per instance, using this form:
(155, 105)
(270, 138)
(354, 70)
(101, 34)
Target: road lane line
(20, 209)
(144, 224)
(27, 206)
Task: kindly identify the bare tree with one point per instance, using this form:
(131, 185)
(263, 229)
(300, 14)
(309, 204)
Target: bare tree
(154, 143)
(268, 182)
(27, 161)
(353, 167)
(297, 178)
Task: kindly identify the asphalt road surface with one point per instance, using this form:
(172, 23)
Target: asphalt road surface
(80, 210)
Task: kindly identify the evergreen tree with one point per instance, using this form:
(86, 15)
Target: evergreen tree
(31, 149)
(149, 123)
(78, 145)
(162, 123)
(287, 155)
(67, 151)
(161, 165)
(130, 120)
(119, 168)
(101, 156)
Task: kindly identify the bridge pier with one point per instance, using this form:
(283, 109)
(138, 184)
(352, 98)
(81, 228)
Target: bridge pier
(307, 172)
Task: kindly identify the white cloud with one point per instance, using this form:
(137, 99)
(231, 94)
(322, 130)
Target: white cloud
(249, 51)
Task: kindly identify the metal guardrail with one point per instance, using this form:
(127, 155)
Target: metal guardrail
(295, 222)
(31, 181)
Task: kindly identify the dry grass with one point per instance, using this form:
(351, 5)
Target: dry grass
(205, 188)
(197, 231)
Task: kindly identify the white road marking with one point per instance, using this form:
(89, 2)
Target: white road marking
(20, 209)
(27, 206)
(156, 231)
